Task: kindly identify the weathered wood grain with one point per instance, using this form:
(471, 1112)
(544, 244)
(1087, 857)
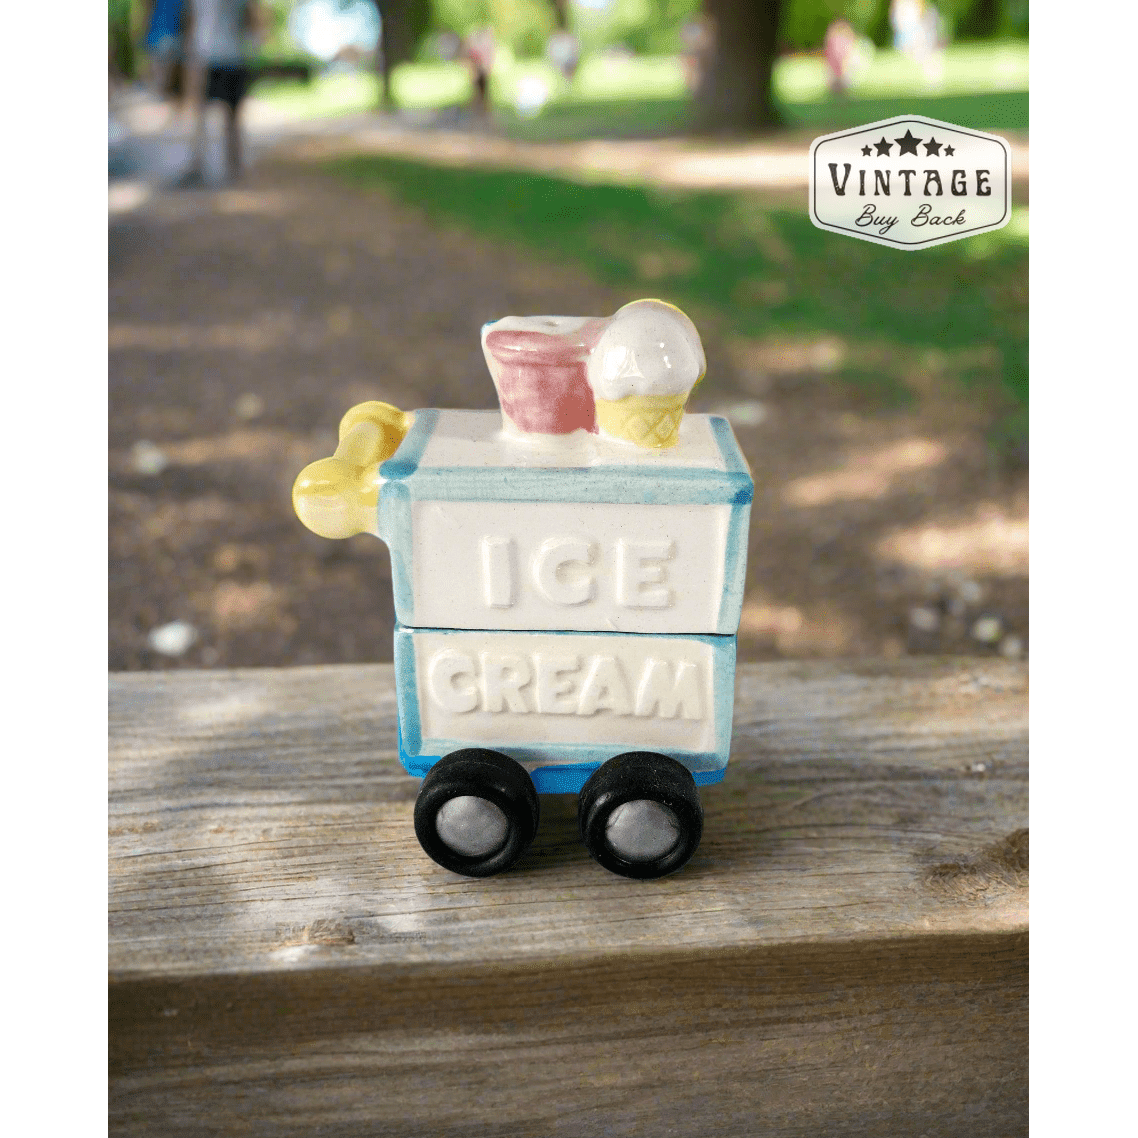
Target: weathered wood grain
(846, 953)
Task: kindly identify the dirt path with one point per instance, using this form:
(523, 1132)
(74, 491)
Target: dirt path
(243, 323)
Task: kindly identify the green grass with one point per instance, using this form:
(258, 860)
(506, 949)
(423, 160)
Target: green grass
(322, 98)
(970, 68)
(990, 111)
(985, 87)
(632, 118)
(756, 271)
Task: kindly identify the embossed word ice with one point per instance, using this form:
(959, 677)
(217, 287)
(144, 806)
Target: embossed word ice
(910, 182)
(493, 547)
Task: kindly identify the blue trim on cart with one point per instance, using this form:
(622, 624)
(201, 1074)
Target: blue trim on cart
(616, 485)
(734, 570)
(568, 779)
(728, 445)
(642, 484)
(394, 521)
(395, 530)
(405, 461)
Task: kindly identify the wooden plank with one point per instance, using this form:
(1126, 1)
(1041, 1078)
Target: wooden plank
(846, 953)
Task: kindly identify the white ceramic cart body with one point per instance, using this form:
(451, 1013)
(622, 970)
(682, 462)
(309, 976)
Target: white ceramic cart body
(562, 601)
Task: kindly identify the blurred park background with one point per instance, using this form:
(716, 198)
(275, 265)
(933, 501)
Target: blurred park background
(415, 168)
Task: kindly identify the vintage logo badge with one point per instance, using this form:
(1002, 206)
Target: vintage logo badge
(910, 182)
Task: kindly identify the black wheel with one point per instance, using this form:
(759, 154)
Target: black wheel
(640, 815)
(476, 813)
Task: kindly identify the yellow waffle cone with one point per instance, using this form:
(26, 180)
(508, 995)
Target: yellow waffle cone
(647, 420)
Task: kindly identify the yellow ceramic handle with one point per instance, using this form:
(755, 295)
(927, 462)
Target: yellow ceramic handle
(339, 496)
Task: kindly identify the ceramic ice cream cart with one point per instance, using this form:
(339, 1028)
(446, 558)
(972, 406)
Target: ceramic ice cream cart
(568, 579)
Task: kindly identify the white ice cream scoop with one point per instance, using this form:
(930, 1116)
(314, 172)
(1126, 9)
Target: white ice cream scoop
(649, 348)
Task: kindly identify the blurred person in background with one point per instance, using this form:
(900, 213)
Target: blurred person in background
(839, 48)
(933, 41)
(478, 48)
(904, 18)
(698, 38)
(447, 46)
(918, 33)
(563, 50)
(164, 44)
(219, 40)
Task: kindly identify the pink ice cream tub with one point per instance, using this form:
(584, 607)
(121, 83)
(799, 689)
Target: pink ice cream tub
(539, 365)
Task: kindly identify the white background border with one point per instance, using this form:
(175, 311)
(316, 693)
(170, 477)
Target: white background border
(55, 567)
(1084, 417)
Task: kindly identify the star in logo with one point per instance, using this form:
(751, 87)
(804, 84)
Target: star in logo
(883, 147)
(949, 151)
(867, 150)
(932, 147)
(908, 144)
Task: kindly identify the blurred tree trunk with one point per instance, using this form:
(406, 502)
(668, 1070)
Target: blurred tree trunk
(120, 40)
(980, 21)
(560, 14)
(734, 92)
(405, 23)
